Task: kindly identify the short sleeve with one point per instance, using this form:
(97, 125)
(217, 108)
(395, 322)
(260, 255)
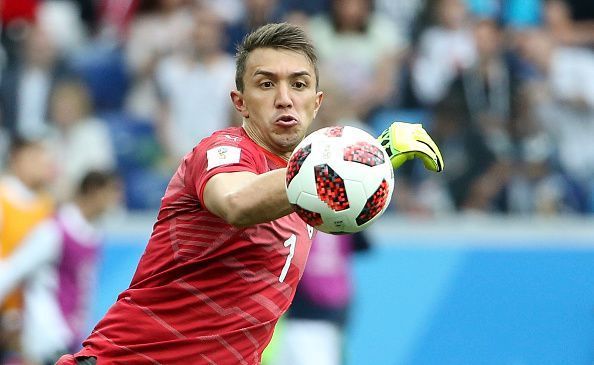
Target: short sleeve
(221, 154)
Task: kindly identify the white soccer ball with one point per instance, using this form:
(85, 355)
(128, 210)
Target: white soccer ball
(339, 179)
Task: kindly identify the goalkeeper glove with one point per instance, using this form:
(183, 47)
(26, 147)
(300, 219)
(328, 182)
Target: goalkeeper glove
(406, 141)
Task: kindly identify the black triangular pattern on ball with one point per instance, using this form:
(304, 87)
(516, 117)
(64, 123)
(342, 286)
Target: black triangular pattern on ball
(296, 161)
(330, 188)
(312, 218)
(364, 153)
(375, 203)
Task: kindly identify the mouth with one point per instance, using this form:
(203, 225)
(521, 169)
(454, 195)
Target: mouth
(286, 121)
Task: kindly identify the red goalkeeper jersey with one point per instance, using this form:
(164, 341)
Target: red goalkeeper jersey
(205, 292)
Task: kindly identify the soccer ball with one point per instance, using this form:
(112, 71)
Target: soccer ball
(339, 179)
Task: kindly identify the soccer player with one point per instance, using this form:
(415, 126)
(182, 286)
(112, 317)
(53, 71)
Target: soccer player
(55, 264)
(24, 202)
(226, 252)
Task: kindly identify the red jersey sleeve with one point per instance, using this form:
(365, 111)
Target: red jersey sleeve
(219, 154)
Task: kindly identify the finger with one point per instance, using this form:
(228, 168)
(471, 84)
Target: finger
(423, 137)
(428, 156)
(427, 139)
(412, 140)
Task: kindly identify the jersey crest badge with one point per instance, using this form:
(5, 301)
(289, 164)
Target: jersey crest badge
(222, 155)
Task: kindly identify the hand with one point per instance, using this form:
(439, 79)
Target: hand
(406, 141)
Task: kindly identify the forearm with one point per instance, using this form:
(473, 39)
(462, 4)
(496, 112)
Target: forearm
(250, 199)
(262, 199)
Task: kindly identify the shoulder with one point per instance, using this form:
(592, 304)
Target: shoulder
(226, 146)
(233, 136)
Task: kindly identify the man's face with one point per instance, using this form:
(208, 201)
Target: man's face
(279, 100)
(34, 166)
(107, 197)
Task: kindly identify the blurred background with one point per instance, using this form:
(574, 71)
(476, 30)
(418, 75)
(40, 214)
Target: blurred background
(489, 262)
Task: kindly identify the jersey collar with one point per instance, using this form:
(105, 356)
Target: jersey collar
(278, 160)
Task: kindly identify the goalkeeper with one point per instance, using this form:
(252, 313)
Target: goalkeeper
(216, 274)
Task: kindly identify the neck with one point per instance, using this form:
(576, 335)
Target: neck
(29, 184)
(86, 208)
(260, 141)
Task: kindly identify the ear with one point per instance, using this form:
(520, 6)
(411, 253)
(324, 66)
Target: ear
(319, 98)
(239, 103)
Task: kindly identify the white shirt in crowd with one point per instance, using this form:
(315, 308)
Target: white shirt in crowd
(198, 98)
(85, 146)
(442, 54)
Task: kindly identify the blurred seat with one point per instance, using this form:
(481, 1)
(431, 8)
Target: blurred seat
(103, 68)
(137, 155)
(144, 189)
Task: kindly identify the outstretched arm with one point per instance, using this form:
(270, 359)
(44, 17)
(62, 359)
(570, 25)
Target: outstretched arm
(244, 198)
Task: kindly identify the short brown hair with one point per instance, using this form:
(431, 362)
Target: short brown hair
(275, 35)
(95, 180)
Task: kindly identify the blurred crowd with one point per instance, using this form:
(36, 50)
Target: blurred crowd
(504, 87)
(89, 87)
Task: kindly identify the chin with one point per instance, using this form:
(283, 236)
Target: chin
(288, 143)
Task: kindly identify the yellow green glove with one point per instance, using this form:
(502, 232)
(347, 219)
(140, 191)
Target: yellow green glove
(406, 141)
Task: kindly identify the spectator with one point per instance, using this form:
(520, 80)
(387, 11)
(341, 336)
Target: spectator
(360, 51)
(476, 178)
(26, 85)
(160, 28)
(196, 82)
(536, 187)
(402, 13)
(23, 204)
(78, 139)
(563, 102)
(56, 263)
(444, 51)
(489, 88)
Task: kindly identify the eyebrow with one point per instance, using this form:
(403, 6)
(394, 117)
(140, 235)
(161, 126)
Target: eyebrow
(272, 74)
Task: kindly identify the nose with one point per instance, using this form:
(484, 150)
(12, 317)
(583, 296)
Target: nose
(283, 97)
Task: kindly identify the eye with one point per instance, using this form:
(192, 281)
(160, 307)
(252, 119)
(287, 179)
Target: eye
(266, 84)
(299, 85)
